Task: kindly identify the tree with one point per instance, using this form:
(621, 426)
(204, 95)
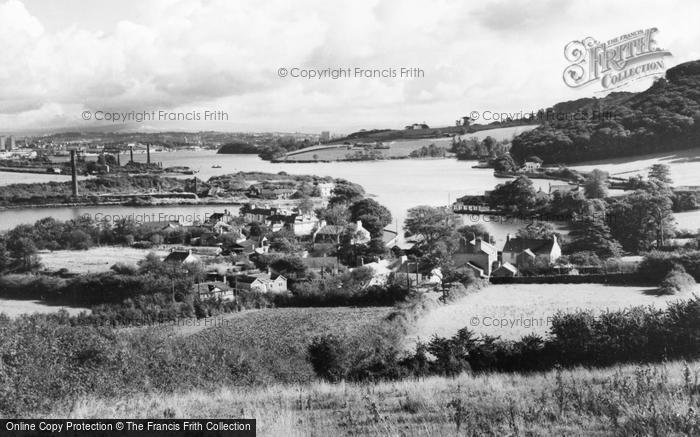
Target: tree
(374, 216)
(345, 192)
(505, 163)
(590, 231)
(78, 239)
(538, 231)
(290, 266)
(23, 249)
(518, 195)
(661, 172)
(4, 257)
(645, 216)
(476, 230)
(430, 223)
(596, 185)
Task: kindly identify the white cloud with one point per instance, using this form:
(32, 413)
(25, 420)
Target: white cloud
(219, 54)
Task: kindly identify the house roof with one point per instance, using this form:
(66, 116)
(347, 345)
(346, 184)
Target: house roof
(249, 279)
(536, 245)
(507, 266)
(211, 286)
(246, 279)
(331, 230)
(388, 235)
(177, 256)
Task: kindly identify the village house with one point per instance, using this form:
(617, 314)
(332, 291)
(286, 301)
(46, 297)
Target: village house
(304, 225)
(477, 254)
(360, 235)
(505, 270)
(390, 238)
(325, 189)
(261, 282)
(532, 166)
(220, 217)
(524, 252)
(181, 257)
(328, 233)
(213, 290)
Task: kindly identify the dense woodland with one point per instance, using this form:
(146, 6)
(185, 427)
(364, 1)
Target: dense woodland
(663, 118)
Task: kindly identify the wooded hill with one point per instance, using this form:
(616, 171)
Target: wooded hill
(665, 117)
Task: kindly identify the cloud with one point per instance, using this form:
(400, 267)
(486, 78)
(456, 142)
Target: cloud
(184, 54)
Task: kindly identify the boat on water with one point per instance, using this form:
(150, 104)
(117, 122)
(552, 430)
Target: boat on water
(216, 166)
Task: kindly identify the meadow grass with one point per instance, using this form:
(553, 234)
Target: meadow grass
(512, 311)
(629, 400)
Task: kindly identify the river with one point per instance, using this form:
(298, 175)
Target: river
(397, 184)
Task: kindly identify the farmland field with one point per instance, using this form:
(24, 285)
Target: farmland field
(398, 149)
(15, 307)
(276, 339)
(514, 310)
(97, 259)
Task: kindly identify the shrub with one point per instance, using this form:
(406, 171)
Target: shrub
(676, 281)
(328, 357)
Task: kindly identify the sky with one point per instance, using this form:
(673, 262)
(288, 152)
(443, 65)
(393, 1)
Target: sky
(62, 59)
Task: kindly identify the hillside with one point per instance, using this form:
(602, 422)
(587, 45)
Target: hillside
(629, 400)
(238, 147)
(414, 134)
(665, 117)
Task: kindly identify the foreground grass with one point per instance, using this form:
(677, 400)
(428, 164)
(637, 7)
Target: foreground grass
(630, 400)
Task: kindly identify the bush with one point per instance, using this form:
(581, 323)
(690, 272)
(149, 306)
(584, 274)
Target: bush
(656, 265)
(676, 281)
(328, 357)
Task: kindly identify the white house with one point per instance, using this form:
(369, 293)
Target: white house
(522, 252)
(262, 283)
(478, 253)
(531, 166)
(360, 234)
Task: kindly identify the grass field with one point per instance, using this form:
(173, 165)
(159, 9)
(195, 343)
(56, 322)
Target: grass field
(15, 307)
(96, 259)
(514, 310)
(630, 400)
(399, 149)
(276, 339)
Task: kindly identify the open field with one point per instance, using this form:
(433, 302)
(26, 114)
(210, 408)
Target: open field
(630, 400)
(96, 259)
(15, 307)
(398, 149)
(684, 165)
(276, 339)
(514, 310)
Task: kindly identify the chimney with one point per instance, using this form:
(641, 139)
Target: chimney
(148, 153)
(131, 153)
(74, 173)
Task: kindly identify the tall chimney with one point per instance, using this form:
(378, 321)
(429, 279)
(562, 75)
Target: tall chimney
(148, 153)
(131, 152)
(74, 173)
(119, 160)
